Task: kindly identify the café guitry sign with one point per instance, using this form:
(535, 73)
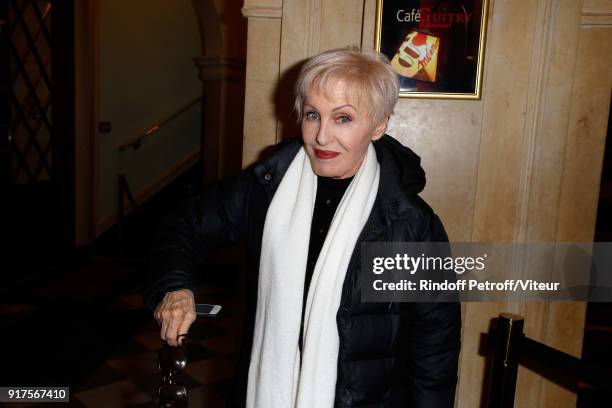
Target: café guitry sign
(435, 46)
(429, 19)
(417, 57)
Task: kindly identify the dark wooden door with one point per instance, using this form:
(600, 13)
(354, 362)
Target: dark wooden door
(37, 134)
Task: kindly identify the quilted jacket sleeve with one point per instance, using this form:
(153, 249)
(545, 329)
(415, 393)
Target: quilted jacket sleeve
(432, 337)
(190, 230)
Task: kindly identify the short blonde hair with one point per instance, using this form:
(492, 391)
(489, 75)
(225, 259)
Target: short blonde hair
(367, 75)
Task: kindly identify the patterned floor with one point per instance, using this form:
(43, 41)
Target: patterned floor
(128, 377)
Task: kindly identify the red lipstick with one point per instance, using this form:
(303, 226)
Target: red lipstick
(325, 154)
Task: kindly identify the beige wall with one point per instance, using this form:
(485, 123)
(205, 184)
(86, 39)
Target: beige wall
(146, 73)
(523, 163)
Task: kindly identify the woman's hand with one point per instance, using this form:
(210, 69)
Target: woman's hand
(175, 313)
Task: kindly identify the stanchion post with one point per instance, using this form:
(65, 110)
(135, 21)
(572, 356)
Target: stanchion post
(505, 350)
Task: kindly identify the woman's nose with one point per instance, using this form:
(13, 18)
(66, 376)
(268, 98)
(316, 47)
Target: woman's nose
(323, 134)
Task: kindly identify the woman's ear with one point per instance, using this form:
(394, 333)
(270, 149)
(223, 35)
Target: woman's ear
(379, 130)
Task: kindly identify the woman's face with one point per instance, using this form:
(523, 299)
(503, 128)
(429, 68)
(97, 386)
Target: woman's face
(337, 132)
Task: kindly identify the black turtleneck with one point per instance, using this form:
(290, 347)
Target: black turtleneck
(329, 194)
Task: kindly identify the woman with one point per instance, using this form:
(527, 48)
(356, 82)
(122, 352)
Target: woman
(305, 212)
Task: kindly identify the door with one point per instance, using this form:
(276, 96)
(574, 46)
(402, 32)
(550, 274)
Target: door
(37, 135)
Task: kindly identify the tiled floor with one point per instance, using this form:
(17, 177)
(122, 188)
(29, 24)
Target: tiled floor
(128, 376)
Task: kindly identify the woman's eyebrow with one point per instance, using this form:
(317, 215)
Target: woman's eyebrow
(333, 110)
(344, 106)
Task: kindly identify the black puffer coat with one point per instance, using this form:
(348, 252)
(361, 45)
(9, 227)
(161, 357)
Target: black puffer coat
(391, 354)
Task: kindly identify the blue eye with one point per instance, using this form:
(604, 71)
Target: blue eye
(344, 119)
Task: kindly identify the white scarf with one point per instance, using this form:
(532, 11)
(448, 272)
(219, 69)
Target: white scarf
(276, 379)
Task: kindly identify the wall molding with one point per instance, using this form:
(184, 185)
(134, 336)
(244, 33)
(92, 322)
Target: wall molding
(536, 101)
(254, 11)
(219, 69)
(596, 19)
(596, 13)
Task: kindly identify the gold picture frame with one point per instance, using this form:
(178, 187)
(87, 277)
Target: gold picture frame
(435, 46)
